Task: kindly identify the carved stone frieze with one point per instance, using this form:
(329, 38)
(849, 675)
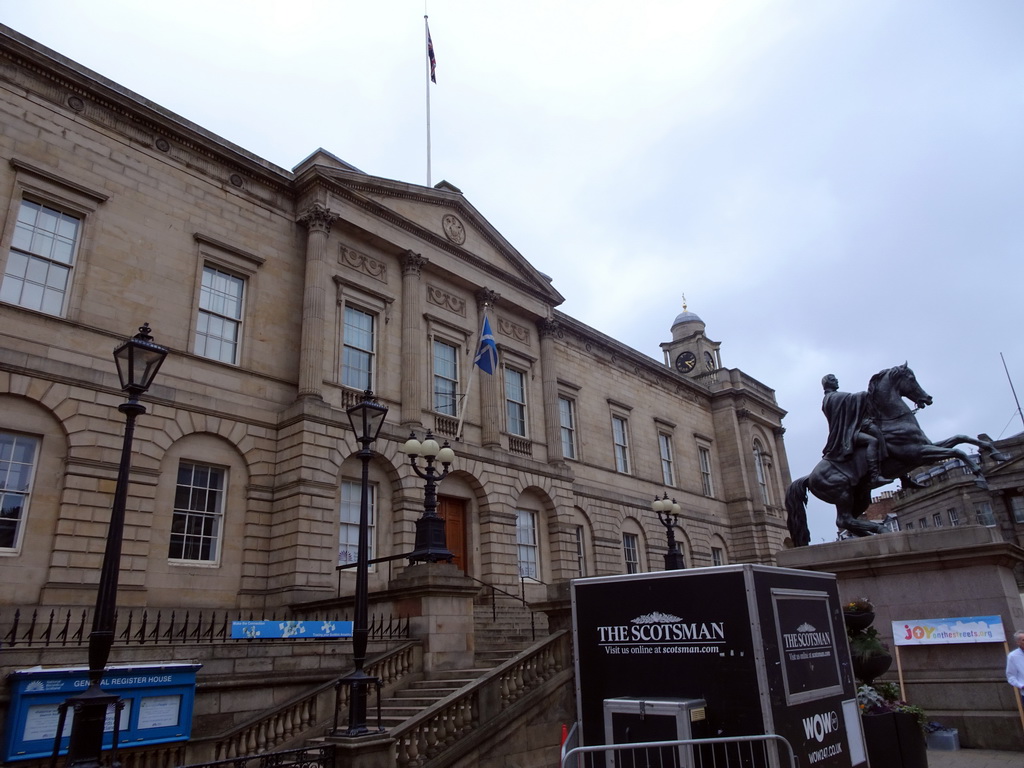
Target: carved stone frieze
(378, 270)
(513, 330)
(446, 300)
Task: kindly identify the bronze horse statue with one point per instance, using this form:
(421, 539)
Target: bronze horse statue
(846, 484)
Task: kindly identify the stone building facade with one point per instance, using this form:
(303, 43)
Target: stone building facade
(282, 296)
(953, 497)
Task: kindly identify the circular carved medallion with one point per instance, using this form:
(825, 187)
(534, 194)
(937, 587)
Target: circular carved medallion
(453, 229)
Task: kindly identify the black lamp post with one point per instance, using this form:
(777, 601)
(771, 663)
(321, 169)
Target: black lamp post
(431, 540)
(367, 418)
(667, 512)
(138, 359)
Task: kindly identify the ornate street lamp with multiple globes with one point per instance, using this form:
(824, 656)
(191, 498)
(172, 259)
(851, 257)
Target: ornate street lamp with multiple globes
(668, 513)
(367, 418)
(431, 541)
(138, 359)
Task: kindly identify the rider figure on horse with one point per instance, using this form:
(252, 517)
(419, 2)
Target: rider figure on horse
(851, 428)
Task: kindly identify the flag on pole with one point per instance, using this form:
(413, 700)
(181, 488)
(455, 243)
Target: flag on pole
(487, 355)
(430, 55)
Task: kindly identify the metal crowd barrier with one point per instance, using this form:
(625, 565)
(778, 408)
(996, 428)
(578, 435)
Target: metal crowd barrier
(762, 751)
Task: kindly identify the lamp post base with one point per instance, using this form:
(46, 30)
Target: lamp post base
(431, 541)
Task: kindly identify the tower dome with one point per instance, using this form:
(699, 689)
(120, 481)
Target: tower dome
(686, 324)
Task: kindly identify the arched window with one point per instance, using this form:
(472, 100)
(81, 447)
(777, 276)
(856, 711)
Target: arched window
(761, 467)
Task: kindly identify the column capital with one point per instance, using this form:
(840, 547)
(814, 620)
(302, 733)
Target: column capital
(412, 263)
(547, 327)
(318, 218)
(487, 297)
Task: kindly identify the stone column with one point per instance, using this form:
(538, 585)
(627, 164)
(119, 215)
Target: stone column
(413, 340)
(318, 220)
(546, 329)
(490, 386)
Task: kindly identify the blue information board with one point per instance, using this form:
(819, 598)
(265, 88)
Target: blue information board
(268, 629)
(158, 701)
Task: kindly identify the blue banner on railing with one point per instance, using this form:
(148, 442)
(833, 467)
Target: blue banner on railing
(268, 629)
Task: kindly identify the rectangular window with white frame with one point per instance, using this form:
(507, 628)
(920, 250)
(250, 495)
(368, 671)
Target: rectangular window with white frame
(567, 426)
(668, 471)
(198, 514)
(42, 256)
(620, 444)
(954, 516)
(446, 379)
(18, 459)
(581, 551)
(706, 481)
(526, 541)
(1017, 508)
(219, 323)
(515, 402)
(983, 513)
(631, 552)
(348, 531)
(937, 519)
(359, 348)
(717, 556)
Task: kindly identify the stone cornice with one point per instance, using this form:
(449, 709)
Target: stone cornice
(89, 97)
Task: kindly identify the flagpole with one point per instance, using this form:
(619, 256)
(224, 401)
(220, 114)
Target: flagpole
(427, 42)
(472, 378)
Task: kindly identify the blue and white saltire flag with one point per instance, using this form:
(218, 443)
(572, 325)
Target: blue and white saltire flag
(487, 355)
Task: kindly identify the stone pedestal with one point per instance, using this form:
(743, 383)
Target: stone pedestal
(438, 599)
(374, 751)
(933, 574)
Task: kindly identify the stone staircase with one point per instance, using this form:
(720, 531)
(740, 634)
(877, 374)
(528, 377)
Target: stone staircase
(499, 635)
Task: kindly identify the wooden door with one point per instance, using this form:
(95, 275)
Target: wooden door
(454, 513)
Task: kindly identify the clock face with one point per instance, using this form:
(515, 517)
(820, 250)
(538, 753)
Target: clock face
(709, 361)
(686, 362)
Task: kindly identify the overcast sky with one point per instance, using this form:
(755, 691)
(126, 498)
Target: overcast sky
(836, 186)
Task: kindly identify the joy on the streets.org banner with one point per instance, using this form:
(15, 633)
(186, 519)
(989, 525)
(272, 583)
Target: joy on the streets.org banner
(966, 629)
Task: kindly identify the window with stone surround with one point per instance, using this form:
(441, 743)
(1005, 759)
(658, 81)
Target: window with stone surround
(567, 426)
(631, 552)
(1017, 508)
(983, 513)
(219, 323)
(18, 458)
(42, 255)
(348, 531)
(707, 484)
(446, 378)
(668, 471)
(359, 348)
(527, 544)
(515, 401)
(761, 468)
(954, 516)
(620, 444)
(197, 523)
(717, 556)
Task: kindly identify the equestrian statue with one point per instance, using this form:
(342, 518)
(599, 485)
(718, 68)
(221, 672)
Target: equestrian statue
(873, 438)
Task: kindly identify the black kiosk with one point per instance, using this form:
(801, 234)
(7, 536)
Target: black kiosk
(730, 651)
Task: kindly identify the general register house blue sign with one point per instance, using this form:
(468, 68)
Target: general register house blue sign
(158, 702)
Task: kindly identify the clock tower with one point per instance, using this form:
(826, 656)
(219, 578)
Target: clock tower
(691, 353)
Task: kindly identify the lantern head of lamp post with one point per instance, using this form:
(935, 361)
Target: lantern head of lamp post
(431, 539)
(367, 418)
(138, 359)
(668, 512)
